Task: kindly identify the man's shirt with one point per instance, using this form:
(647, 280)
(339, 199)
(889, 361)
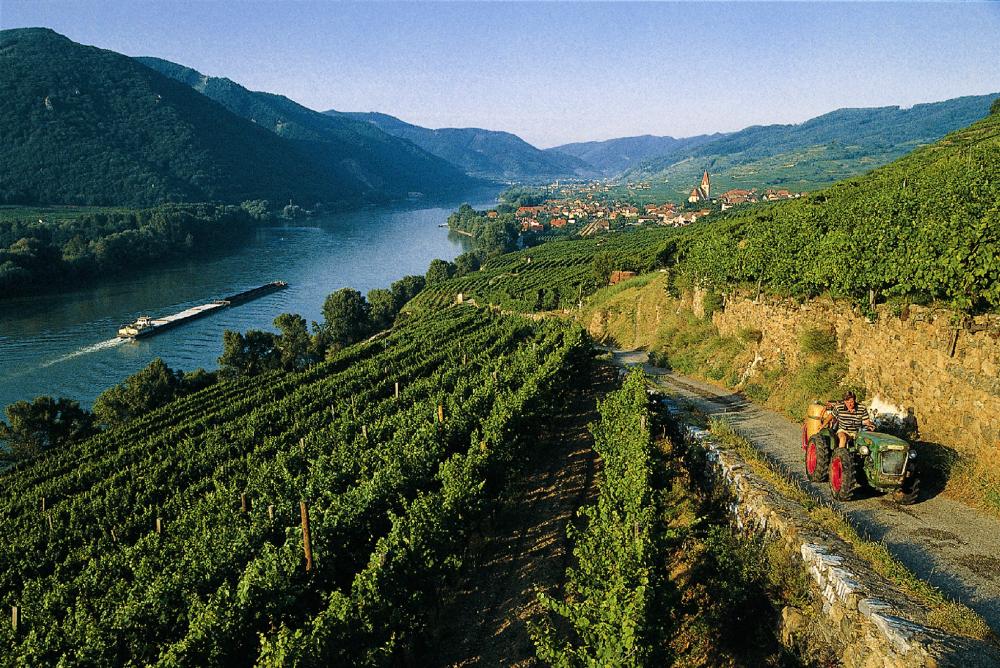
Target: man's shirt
(850, 420)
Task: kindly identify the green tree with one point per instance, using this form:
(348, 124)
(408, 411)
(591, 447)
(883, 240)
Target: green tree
(382, 308)
(248, 354)
(439, 271)
(43, 424)
(602, 265)
(345, 313)
(293, 343)
(138, 394)
(406, 289)
(466, 263)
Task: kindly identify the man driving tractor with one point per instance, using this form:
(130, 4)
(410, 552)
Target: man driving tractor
(851, 416)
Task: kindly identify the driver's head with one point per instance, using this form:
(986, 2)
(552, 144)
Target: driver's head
(850, 401)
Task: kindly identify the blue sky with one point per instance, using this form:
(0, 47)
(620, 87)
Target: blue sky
(559, 72)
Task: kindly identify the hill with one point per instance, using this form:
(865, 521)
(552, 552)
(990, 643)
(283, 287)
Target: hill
(382, 161)
(615, 156)
(125, 134)
(815, 153)
(490, 154)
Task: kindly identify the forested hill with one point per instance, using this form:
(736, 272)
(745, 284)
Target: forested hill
(491, 154)
(815, 153)
(614, 156)
(82, 125)
(386, 163)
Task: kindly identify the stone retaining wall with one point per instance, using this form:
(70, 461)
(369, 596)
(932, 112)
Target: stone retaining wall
(920, 362)
(855, 612)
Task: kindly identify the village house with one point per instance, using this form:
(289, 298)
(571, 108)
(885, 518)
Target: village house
(558, 222)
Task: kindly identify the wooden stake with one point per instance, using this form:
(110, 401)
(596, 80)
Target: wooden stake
(43, 504)
(332, 414)
(243, 503)
(48, 516)
(15, 617)
(364, 431)
(642, 421)
(302, 444)
(441, 413)
(159, 525)
(397, 389)
(306, 546)
(270, 512)
(114, 536)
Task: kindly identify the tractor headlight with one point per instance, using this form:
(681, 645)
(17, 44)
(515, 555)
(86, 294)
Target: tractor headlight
(864, 450)
(913, 454)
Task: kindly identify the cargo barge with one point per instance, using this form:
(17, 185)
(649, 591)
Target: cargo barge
(147, 326)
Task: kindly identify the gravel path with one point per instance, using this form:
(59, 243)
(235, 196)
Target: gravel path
(948, 544)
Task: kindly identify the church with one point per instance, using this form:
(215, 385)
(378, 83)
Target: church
(701, 193)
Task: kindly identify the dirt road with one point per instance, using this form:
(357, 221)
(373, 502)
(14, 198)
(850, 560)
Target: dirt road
(948, 544)
(525, 550)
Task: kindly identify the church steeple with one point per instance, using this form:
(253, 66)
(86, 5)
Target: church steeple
(706, 185)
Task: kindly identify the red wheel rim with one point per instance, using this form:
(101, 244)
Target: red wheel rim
(836, 474)
(811, 459)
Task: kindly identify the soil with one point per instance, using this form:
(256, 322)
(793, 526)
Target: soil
(525, 549)
(946, 543)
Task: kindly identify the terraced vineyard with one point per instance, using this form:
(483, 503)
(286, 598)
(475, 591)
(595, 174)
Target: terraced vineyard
(180, 539)
(554, 275)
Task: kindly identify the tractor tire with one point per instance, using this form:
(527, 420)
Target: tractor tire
(843, 477)
(817, 459)
(908, 493)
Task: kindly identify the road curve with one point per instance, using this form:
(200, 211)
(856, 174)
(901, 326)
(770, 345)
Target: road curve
(948, 544)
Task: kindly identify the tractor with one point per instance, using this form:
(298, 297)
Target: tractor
(882, 462)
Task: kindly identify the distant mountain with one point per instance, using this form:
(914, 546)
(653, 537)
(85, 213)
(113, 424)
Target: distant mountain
(383, 162)
(500, 156)
(82, 125)
(815, 153)
(614, 156)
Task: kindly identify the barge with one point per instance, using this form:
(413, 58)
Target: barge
(147, 326)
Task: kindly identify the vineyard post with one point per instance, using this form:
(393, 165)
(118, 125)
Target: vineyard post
(441, 413)
(43, 504)
(642, 421)
(270, 512)
(333, 415)
(243, 503)
(397, 389)
(302, 444)
(159, 525)
(364, 431)
(15, 617)
(114, 536)
(306, 546)
(48, 516)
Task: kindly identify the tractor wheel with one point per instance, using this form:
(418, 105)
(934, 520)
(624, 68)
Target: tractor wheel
(817, 459)
(842, 474)
(908, 493)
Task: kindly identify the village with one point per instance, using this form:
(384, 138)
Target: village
(581, 208)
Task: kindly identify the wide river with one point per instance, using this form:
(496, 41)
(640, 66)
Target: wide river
(65, 344)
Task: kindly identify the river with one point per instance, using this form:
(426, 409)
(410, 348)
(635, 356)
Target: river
(65, 344)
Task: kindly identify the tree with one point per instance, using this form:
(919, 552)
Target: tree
(466, 263)
(346, 317)
(293, 343)
(138, 394)
(43, 424)
(439, 271)
(406, 289)
(497, 237)
(602, 264)
(248, 354)
(382, 309)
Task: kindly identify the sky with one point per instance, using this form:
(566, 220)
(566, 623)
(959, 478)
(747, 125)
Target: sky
(554, 73)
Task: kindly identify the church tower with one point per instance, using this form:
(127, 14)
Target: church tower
(706, 185)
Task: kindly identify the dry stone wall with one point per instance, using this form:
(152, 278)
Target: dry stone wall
(854, 611)
(919, 361)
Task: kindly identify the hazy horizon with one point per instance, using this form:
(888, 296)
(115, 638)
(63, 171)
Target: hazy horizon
(562, 72)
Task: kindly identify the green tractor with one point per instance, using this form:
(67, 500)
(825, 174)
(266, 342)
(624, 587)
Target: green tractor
(882, 462)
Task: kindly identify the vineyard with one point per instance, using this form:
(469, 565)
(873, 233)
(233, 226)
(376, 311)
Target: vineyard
(292, 519)
(555, 275)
